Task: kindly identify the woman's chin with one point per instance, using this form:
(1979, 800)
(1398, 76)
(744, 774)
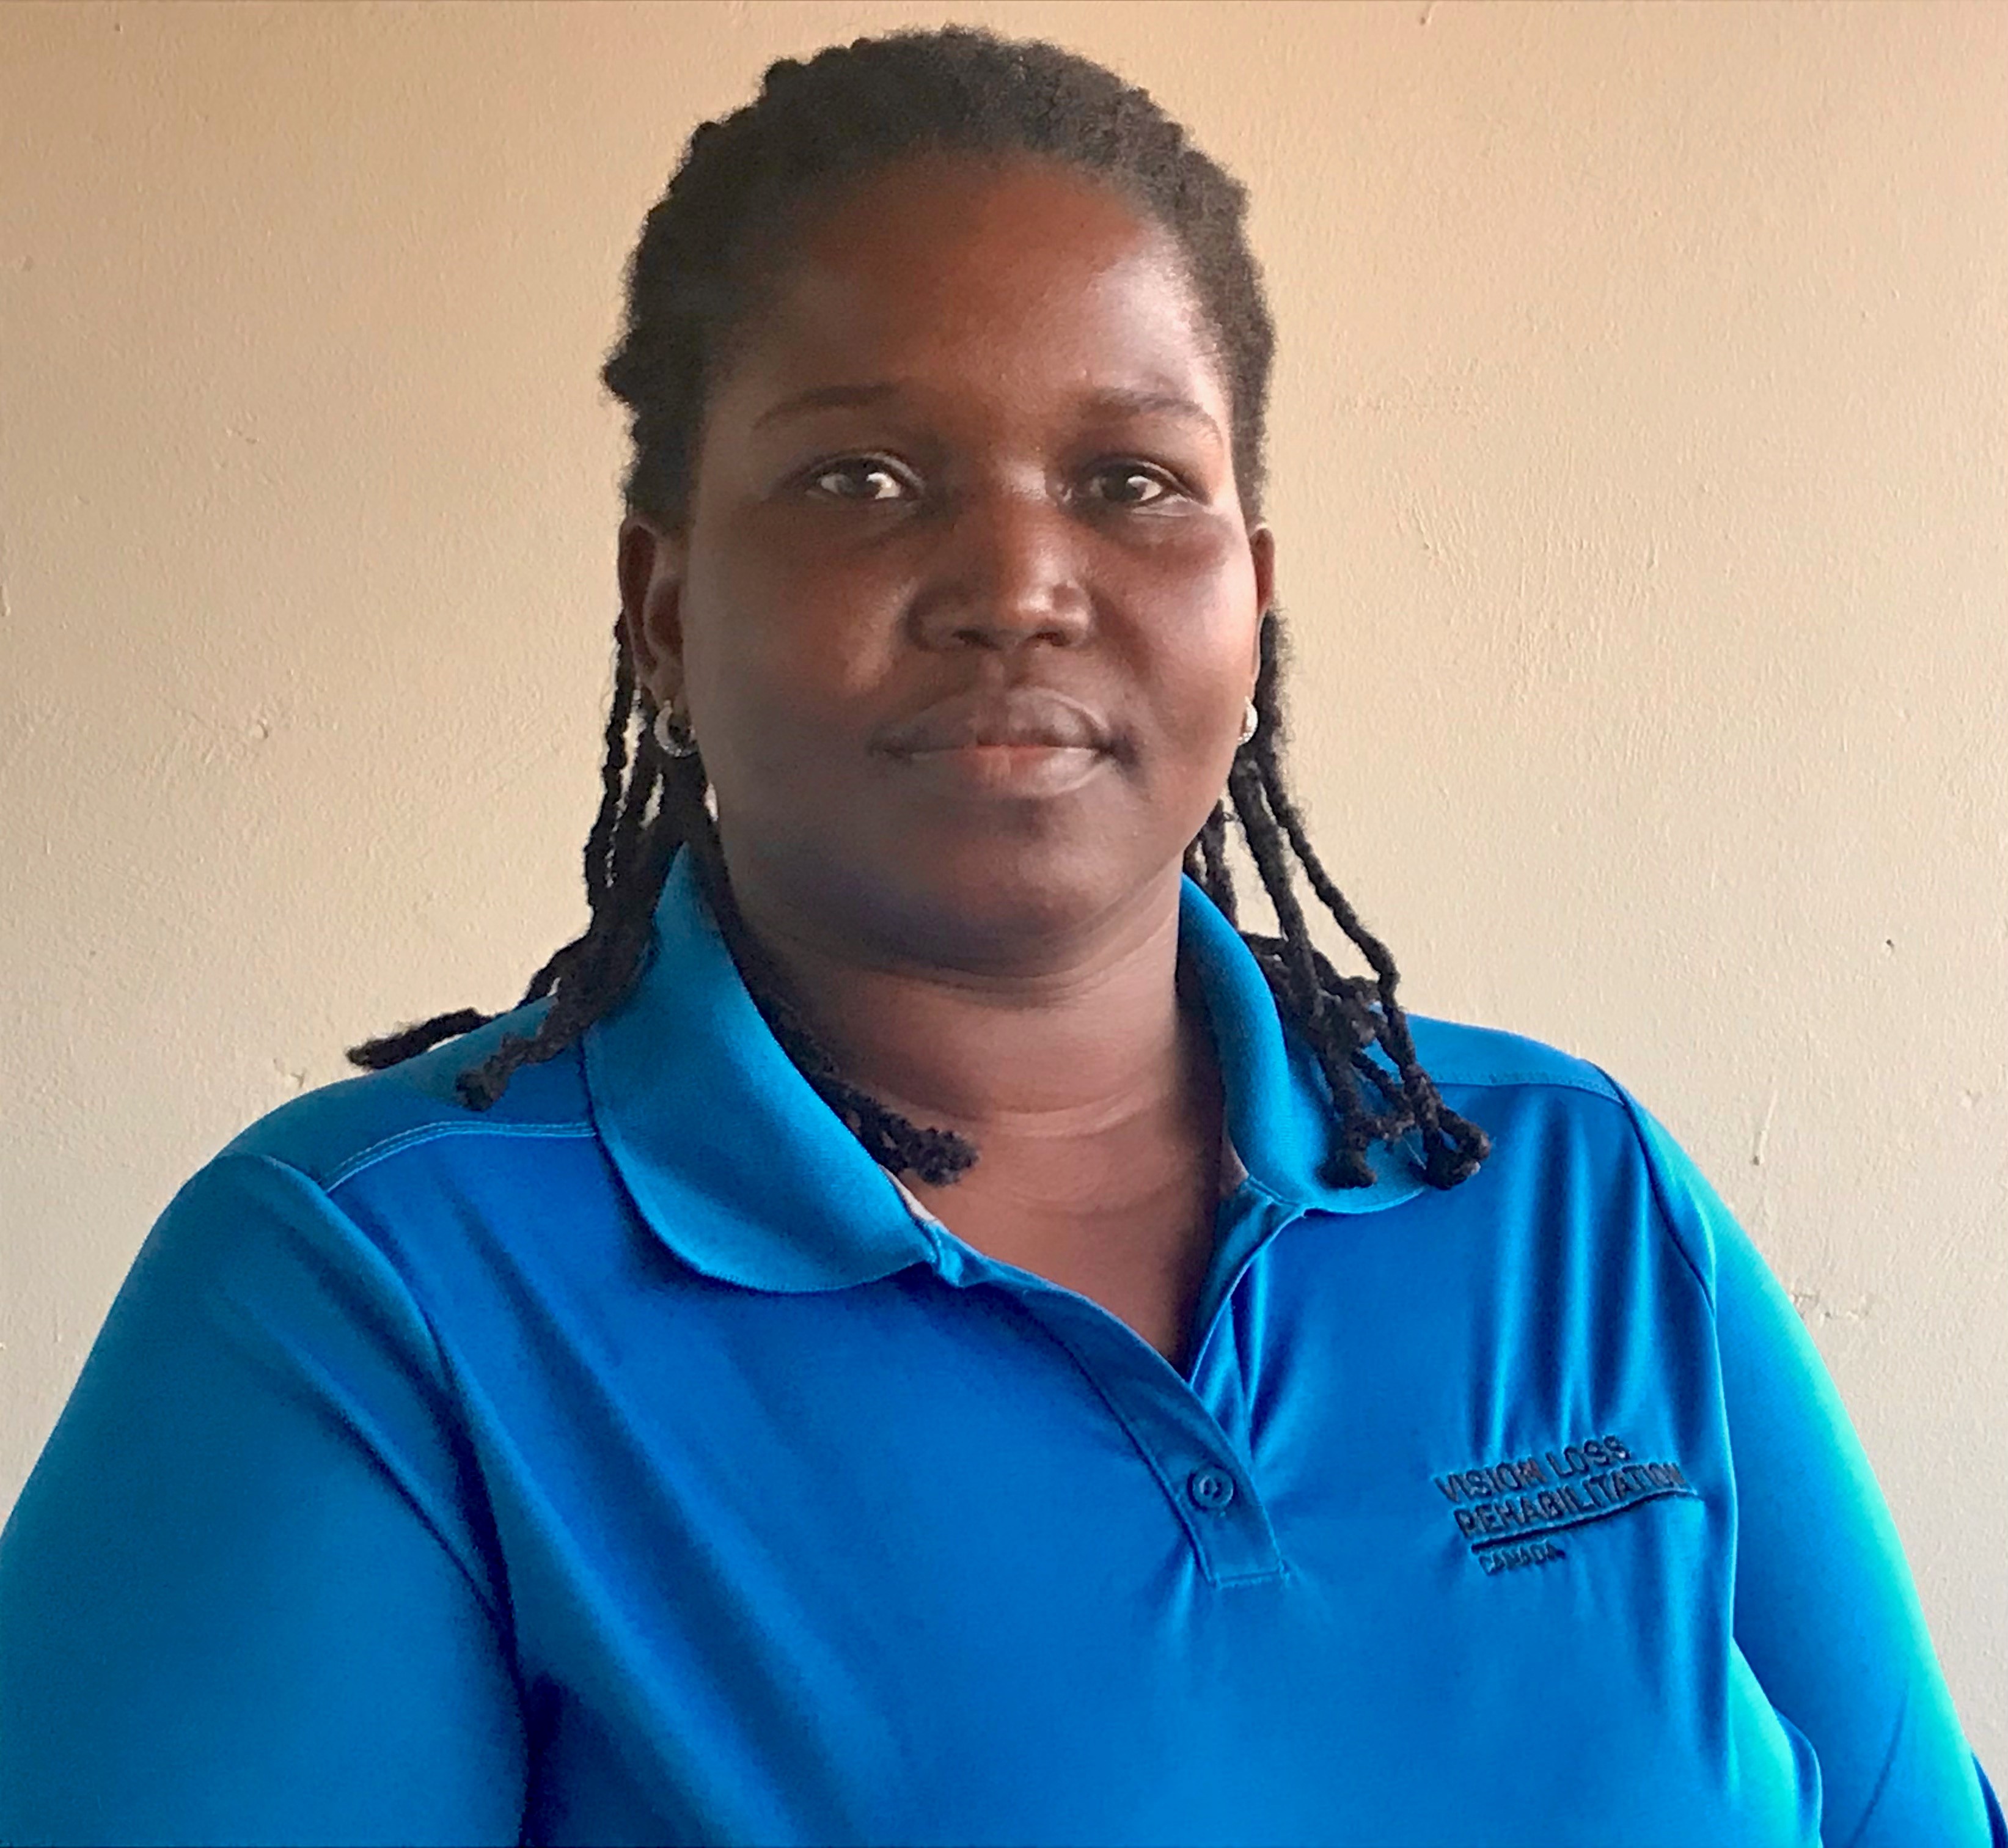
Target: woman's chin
(1027, 884)
(1006, 904)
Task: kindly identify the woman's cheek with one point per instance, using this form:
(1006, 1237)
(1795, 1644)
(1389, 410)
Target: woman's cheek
(798, 650)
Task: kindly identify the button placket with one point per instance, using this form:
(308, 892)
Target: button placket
(1222, 1515)
(1179, 1435)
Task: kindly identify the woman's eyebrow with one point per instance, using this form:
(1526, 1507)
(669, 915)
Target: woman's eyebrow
(1116, 401)
(826, 397)
(1119, 402)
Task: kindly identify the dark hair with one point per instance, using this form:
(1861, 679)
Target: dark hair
(714, 241)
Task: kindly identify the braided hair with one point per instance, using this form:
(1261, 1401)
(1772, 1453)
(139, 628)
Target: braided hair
(710, 249)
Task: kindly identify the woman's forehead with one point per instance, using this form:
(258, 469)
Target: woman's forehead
(939, 276)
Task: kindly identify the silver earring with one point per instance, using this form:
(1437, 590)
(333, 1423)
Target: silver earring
(673, 732)
(1251, 722)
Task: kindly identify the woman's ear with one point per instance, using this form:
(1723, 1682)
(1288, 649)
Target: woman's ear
(650, 565)
(1262, 549)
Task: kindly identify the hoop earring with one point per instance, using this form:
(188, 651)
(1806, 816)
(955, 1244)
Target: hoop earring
(673, 734)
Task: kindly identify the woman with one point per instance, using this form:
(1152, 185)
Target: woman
(917, 1331)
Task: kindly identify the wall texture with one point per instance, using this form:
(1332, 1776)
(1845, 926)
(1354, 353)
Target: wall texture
(1641, 466)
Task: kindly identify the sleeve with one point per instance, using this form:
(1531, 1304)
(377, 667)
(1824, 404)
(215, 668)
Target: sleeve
(1826, 1614)
(243, 1596)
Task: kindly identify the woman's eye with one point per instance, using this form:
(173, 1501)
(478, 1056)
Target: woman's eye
(858, 478)
(1127, 485)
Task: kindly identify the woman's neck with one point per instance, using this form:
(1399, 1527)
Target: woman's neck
(1092, 1095)
(1060, 1046)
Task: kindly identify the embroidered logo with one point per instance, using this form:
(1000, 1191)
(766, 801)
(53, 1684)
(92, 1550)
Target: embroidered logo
(1508, 1511)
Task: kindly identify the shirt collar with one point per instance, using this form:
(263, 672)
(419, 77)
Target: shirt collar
(749, 1177)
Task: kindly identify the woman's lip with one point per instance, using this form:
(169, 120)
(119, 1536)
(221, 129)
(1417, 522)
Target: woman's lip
(999, 719)
(1015, 768)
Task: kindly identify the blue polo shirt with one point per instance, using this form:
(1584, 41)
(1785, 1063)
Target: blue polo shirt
(633, 1463)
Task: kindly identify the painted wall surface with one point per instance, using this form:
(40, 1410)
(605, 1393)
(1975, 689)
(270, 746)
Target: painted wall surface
(1640, 465)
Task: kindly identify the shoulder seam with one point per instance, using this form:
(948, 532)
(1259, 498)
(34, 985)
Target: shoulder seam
(441, 1375)
(1607, 1091)
(1667, 1226)
(406, 1138)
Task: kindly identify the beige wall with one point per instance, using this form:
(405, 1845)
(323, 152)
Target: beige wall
(1642, 484)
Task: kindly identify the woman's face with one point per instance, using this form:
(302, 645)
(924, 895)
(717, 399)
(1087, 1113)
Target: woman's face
(965, 610)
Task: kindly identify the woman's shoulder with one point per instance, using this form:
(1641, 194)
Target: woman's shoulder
(1553, 1114)
(332, 1133)
(1455, 1052)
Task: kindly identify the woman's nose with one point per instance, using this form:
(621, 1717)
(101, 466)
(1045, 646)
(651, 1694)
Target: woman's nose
(1008, 572)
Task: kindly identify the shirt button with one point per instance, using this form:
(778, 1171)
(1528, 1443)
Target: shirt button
(1210, 1489)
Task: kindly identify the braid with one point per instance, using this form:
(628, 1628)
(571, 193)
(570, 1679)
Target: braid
(937, 1156)
(1340, 1015)
(710, 250)
(594, 969)
(599, 842)
(1205, 861)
